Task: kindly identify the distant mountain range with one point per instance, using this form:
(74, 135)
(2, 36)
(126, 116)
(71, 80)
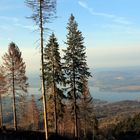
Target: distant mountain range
(126, 79)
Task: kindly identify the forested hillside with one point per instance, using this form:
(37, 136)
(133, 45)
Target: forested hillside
(50, 94)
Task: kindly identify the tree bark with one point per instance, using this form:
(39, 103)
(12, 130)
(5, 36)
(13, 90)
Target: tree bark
(55, 104)
(42, 72)
(85, 127)
(76, 120)
(75, 105)
(14, 98)
(1, 113)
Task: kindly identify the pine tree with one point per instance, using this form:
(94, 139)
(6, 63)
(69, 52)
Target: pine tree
(28, 113)
(75, 66)
(34, 113)
(3, 90)
(23, 111)
(15, 75)
(95, 128)
(68, 124)
(54, 78)
(43, 11)
(86, 108)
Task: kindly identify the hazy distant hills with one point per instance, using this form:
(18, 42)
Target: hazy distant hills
(118, 110)
(34, 80)
(127, 79)
(119, 79)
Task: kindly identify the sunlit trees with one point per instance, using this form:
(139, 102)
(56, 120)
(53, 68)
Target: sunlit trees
(22, 110)
(54, 79)
(75, 67)
(33, 114)
(95, 127)
(86, 108)
(43, 11)
(15, 75)
(28, 113)
(3, 90)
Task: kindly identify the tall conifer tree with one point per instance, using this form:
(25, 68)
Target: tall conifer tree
(43, 11)
(75, 66)
(86, 108)
(15, 75)
(54, 78)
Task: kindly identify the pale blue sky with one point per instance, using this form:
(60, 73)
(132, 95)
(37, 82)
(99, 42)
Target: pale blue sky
(111, 29)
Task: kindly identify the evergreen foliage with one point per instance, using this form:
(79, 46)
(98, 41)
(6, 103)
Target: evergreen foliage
(128, 125)
(75, 66)
(54, 78)
(43, 11)
(86, 108)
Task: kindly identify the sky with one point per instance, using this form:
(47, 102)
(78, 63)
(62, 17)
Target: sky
(111, 29)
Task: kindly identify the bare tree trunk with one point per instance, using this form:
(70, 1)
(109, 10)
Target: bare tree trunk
(14, 99)
(75, 107)
(60, 129)
(84, 118)
(63, 126)
(55, 104)
(76, 121)
(55, 113)
(14, 109)
(85, 127)
(42, 70)
(1, 113)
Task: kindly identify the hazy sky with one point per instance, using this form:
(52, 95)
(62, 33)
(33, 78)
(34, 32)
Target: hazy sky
(111, 29)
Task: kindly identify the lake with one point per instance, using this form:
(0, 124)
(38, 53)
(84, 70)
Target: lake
(114, 96)
(102, 95)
